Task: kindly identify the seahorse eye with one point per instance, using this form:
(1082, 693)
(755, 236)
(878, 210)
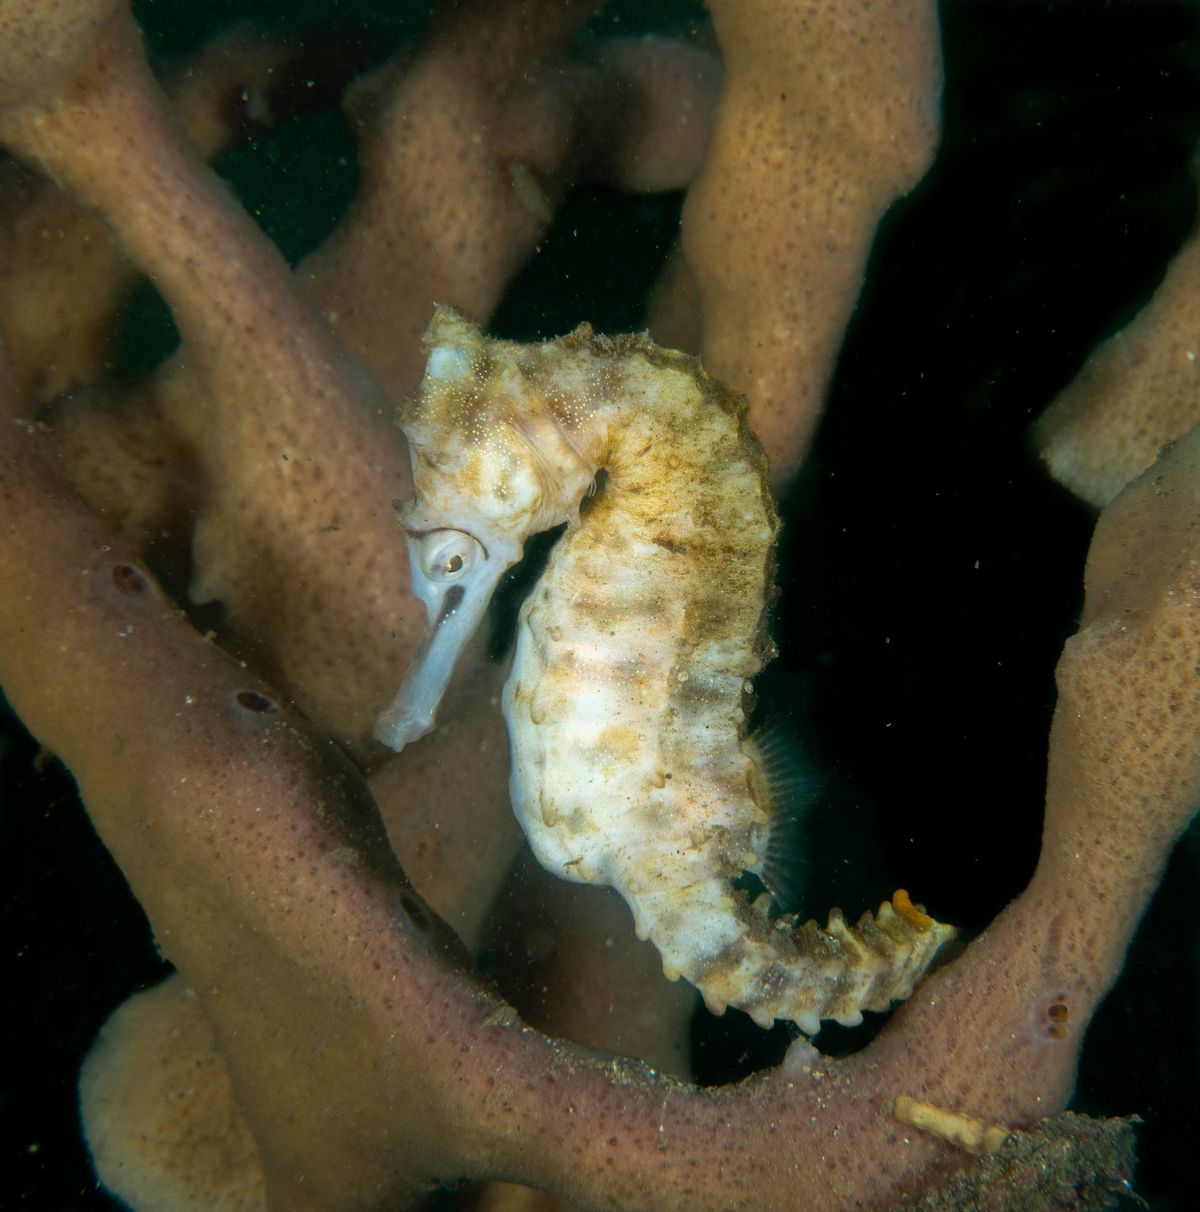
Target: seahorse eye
(447, 554)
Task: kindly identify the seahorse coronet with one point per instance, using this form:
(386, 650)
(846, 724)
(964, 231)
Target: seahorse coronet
(636, 649)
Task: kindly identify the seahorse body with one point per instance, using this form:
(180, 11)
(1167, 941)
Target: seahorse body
(626, 703)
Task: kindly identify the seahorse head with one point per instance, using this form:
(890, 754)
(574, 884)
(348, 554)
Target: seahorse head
(492, 464)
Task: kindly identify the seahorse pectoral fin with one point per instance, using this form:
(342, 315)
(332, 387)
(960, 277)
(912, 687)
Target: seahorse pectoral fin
(453, 611)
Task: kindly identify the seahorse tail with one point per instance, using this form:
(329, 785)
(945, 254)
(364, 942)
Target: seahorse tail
(882, 956)
(803, 973)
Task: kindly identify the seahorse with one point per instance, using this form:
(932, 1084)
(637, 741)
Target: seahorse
(626, 706)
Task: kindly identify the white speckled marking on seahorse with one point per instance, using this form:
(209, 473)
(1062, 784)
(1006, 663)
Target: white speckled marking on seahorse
(626, 702)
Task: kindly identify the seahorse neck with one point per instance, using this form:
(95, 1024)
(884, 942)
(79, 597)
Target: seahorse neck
(675, 446)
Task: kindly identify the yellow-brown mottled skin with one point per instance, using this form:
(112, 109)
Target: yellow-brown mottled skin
(636, 648)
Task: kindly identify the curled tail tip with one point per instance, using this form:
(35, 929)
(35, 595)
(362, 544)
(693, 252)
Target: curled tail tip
(902, 908)
(902, 904)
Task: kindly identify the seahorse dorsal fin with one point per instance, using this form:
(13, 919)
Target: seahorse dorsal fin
(791, 787)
